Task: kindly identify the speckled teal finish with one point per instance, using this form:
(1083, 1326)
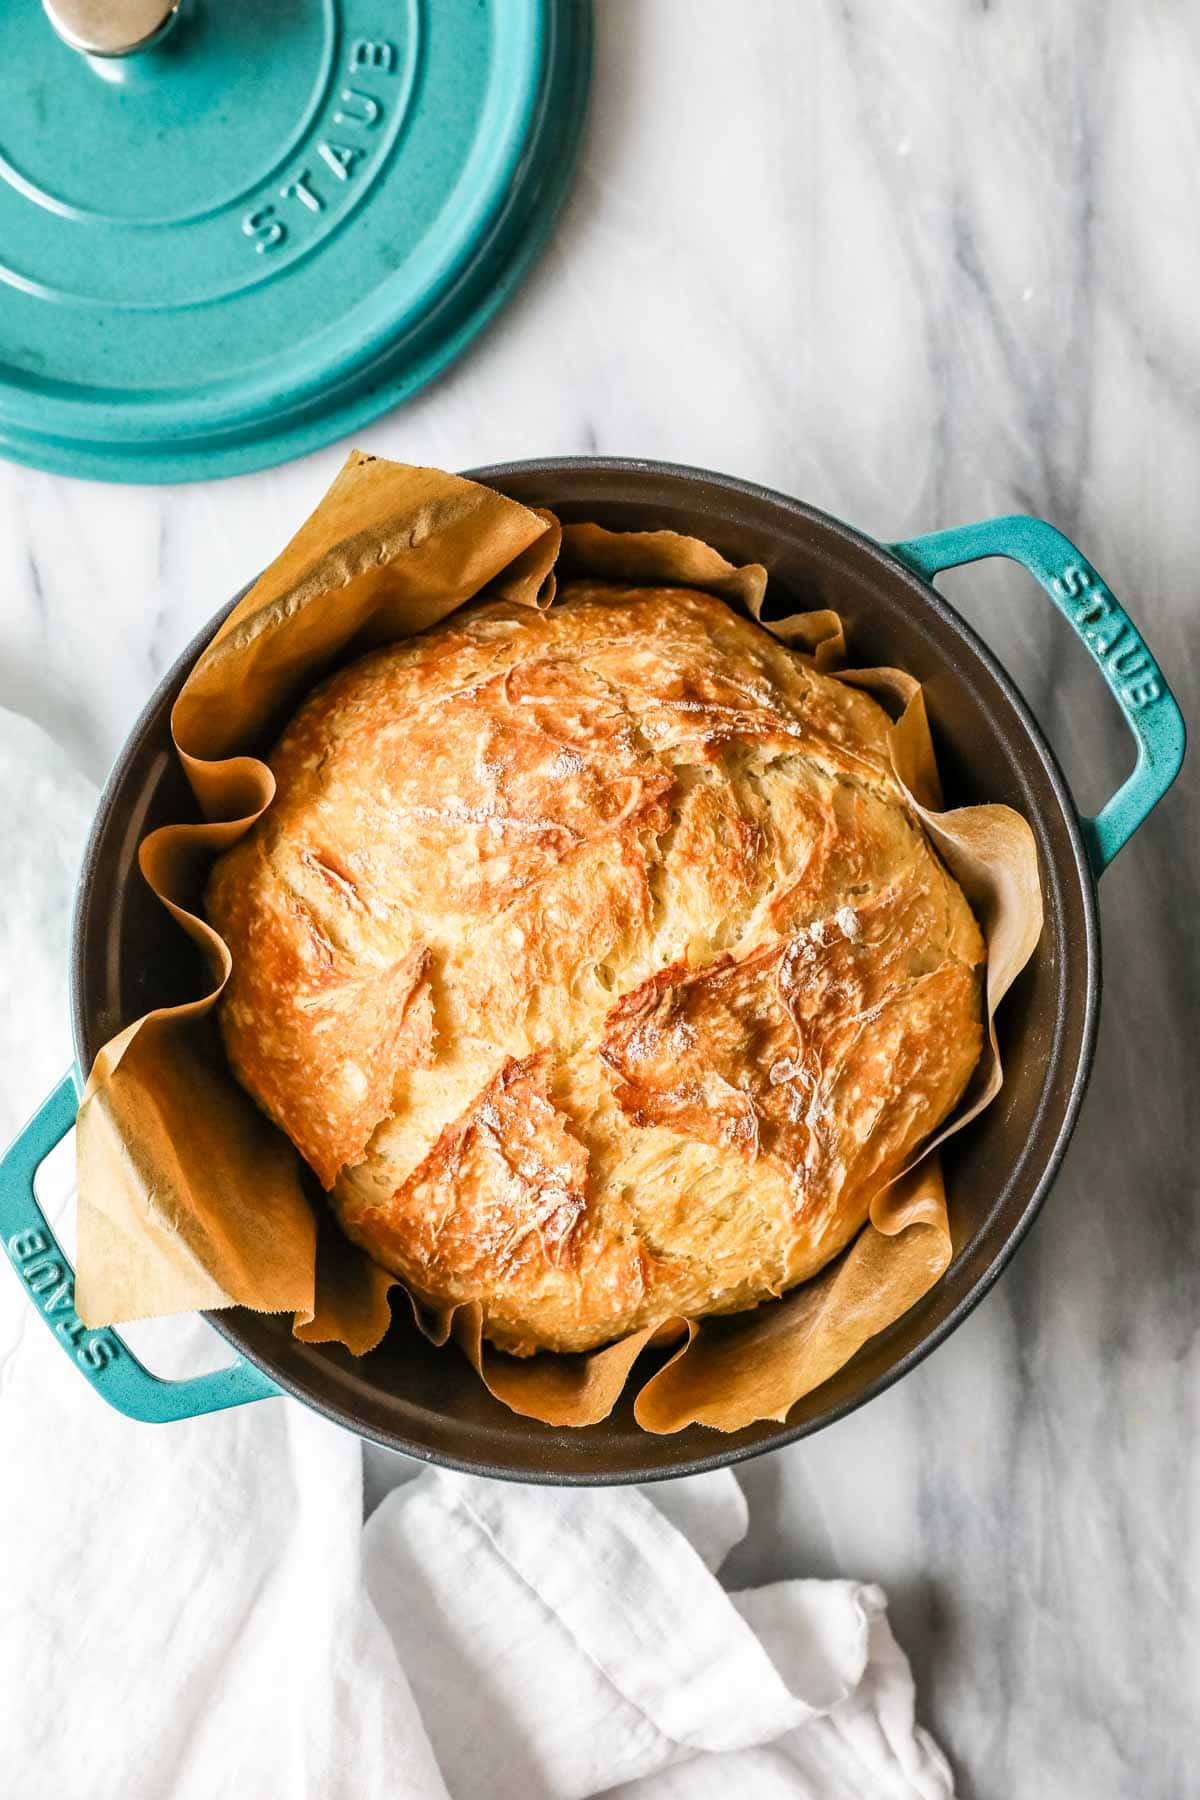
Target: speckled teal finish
(233, 248)
(1081, 595)
(107, 1362)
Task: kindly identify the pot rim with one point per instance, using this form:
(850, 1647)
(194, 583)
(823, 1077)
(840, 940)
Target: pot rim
(928, 596)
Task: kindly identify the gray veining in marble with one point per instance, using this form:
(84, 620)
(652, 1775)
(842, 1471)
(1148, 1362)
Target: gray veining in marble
(916, 262)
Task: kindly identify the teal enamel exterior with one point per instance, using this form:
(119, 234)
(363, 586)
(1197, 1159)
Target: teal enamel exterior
(235, 247)
(1134, 677)
(44, 1272)
(1141, 691)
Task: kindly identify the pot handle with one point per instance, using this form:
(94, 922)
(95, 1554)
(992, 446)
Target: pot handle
(1136, 681)
(105, 1359)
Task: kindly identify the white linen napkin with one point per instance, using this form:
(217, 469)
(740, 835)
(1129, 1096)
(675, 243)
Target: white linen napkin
(577, 1643)
(195, 1611)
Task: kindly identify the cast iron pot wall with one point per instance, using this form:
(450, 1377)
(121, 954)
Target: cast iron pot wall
(128, 957)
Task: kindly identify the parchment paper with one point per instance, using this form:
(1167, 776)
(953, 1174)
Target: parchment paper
(189, 1197)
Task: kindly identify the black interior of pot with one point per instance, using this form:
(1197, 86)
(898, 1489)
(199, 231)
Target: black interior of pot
(129, 957)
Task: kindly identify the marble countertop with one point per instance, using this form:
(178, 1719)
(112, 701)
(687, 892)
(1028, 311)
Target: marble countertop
(917, 264)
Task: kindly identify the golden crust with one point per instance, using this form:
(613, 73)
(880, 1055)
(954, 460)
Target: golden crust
(595, 962)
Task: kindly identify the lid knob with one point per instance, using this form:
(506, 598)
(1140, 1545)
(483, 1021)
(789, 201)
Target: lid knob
(110, 27)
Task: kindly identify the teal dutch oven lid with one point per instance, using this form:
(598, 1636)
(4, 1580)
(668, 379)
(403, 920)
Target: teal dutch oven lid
(268, 225)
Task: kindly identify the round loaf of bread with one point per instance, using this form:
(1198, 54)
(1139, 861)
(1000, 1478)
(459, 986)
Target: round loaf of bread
(595, 962)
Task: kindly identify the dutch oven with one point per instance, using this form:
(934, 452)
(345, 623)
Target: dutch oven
(127, 957)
